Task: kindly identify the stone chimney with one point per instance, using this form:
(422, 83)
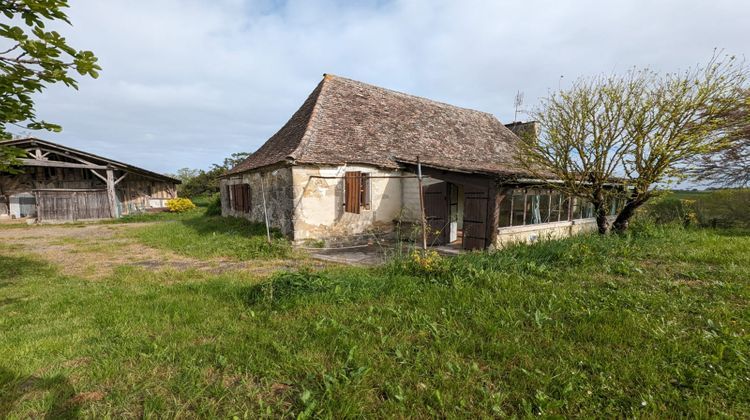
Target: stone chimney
(524, 129)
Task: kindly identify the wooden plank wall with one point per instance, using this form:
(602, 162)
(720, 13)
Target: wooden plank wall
(133, 193)
(72, 205)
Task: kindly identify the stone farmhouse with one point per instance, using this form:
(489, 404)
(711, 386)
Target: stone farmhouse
(343, 169)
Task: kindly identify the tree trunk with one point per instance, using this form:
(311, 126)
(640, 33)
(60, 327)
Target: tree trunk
(601, 218)
(600, 212)
(623, 218)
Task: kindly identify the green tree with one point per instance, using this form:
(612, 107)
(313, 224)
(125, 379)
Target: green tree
(31, 58)
(622, 136)
(197, 182)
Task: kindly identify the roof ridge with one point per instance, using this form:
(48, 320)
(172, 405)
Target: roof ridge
(409, 95)
(299, 151)
(90, 155)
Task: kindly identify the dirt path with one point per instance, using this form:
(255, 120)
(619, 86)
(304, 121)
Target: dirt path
(94, 251)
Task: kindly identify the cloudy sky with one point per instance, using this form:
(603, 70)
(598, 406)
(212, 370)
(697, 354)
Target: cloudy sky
(185, 83)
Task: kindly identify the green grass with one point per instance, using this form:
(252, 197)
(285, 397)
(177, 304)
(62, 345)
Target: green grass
(194, 234)
(200, 236)
(654, 324)
(689, 195)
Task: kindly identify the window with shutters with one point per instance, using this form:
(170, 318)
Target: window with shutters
(239, 198)
(356, 191)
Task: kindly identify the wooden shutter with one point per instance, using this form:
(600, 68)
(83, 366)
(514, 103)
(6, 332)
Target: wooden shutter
(238, 193)
(240, 199)
(246, 198)
(352, 191)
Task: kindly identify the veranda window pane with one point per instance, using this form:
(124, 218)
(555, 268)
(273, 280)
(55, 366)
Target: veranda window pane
(505, 211)
(555, 207)
(534, 214)
(518, 208)
(544, 201)
(617, 205)
(565, 209)
(576, 208)
(588, 210)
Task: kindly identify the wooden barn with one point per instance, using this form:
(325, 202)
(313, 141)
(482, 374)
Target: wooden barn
(59, 183)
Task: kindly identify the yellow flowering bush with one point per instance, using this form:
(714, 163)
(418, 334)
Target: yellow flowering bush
(426, 261)
(178, 205)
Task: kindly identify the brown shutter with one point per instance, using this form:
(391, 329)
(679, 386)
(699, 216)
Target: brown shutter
(241, 192)
(238, 189)
(240, 198)
(238, 194)
(352, 191)
(246, 193)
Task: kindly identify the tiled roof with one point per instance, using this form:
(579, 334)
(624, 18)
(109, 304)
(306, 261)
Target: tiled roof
(345, 121)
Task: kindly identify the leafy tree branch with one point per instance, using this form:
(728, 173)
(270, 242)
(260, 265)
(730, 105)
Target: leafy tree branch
(32, 59)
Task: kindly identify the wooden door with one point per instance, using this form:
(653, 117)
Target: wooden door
(437, 213)
(453, 232)
(475, 217)
(72, 205)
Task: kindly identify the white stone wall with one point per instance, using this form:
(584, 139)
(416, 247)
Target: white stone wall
(319, 203)
(546, 231)
(410, 196)
(277, 184)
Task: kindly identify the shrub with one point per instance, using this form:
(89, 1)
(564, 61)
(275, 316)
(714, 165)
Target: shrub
(724, 208)
(179, 205)
(671, 210)
(428, 264)
(214, 206)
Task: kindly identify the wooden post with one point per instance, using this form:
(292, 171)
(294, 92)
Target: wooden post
(265, 210)
(111, 197)
(494, 201)
(512, 203)
(421, 204)
(38, 206)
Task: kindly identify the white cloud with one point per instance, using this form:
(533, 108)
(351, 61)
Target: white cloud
(186, 83)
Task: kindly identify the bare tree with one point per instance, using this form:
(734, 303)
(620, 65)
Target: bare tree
(730, 166)
(620, 136)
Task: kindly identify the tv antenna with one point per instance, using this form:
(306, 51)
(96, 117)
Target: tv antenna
(517, 104)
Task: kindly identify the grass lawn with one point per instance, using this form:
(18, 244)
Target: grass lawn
(654, 324)
(199, 236)
(194, 234)
(690, 195)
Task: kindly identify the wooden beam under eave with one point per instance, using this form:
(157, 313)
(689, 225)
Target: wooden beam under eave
(476, 180)
(56, 164)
